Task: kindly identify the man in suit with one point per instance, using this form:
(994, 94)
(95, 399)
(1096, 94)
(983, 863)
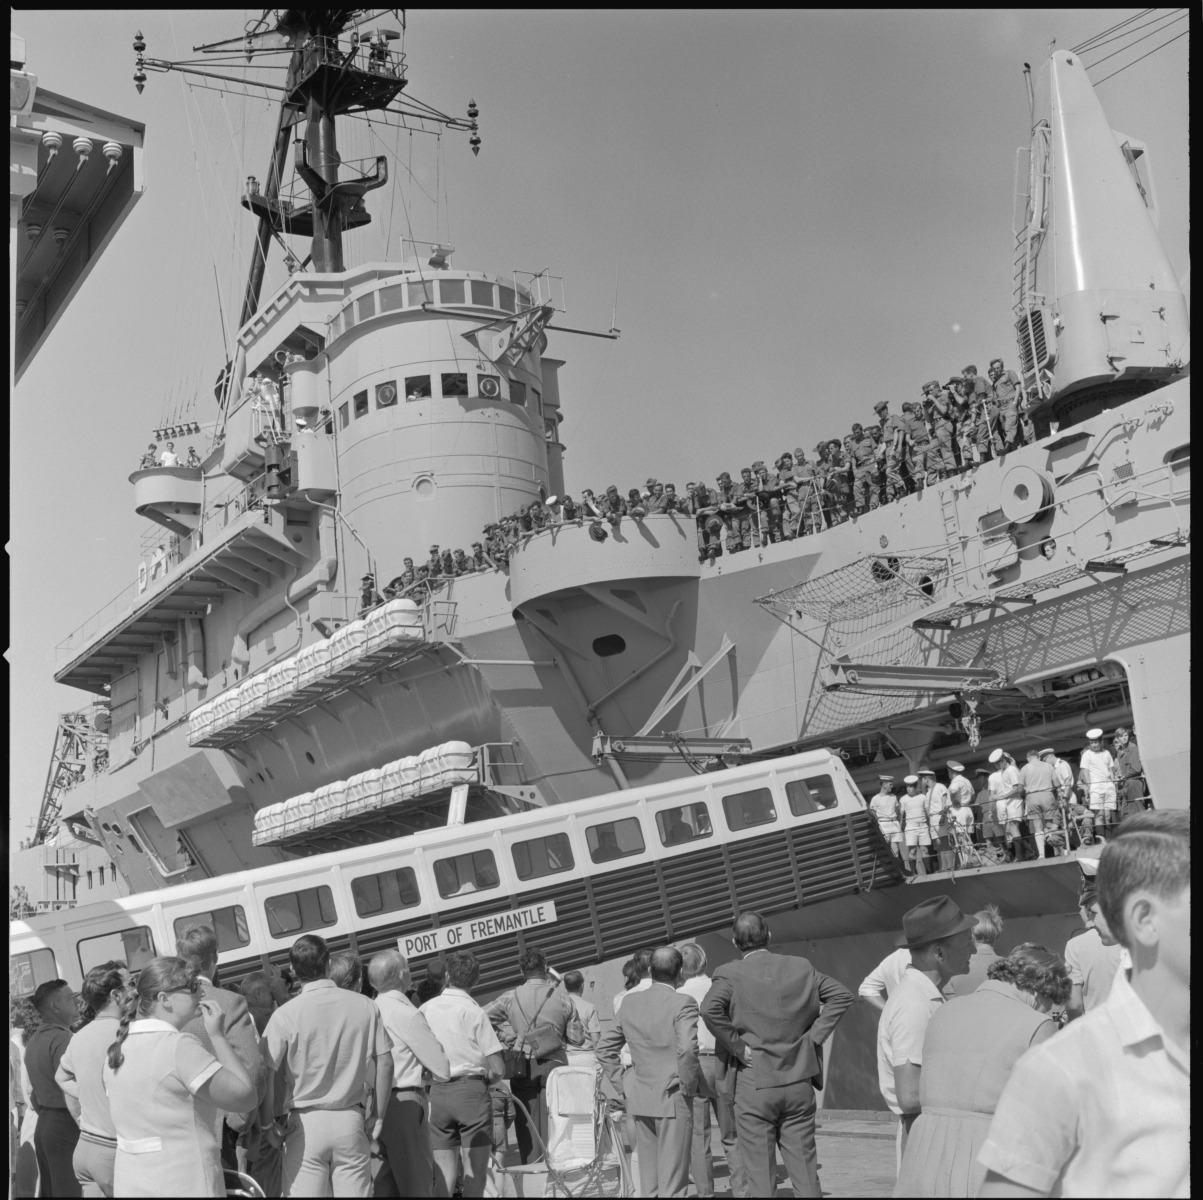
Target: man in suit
(770, 1014)
(197, 946)
(660, 1025)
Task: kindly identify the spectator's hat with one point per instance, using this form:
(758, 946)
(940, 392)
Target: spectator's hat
(880, 405)
(911, 779)
(758, 465)
(1094, 734)
(1121, 729)
(953, 765)
(907, 405)
(996, 755)
(927, 771)
(1047, 750)
(597, 533)
(477, 546)
(368, 579)
(956, 379)
(725, 477)
(930, 384)
(932, 920)
(652, 481)
(434, 549)
(820, 445)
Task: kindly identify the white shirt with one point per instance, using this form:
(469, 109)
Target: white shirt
(1002, 782)
(463, 1030)
(938, 803)
(697, 987)
(963, 816)
(885, 977)
(884, 807)
(1097, 766)
(414, 1045)
(960, 789)
(1101, 1109)
(902, 1028)
(169, 458)
(914, 812)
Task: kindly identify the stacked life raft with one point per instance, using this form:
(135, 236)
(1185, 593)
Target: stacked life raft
(365, 794)
(390, 625)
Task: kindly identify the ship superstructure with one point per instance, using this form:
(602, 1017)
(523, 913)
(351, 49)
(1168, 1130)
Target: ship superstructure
(263, 705)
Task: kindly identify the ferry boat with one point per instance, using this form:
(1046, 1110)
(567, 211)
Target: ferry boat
(603, 744)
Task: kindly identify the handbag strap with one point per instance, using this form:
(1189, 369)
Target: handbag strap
(535, 1018)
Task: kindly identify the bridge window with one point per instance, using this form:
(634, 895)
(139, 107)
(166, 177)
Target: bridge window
(482, 293)
(367, 306)
(298, 912)
(134, 947)
(385, 892)
(421, 291)
(344, 415)
(417, 387)
(810, 795)
(228, 923)
(466, 873)
(451, 291)
(684, 824)
(361, 405)
(615, 839)
(745, 809)
(517, 393)
(455, 383)
(542, 856)
(392, 298)
(27, 972)
(506, 296)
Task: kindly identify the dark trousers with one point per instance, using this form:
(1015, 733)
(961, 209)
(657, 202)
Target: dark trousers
(54, 1139)
(701, 1165)
(408, 1168)
(770, 1117)
(532, 1093)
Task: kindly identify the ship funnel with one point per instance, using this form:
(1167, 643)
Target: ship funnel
(1100, 316)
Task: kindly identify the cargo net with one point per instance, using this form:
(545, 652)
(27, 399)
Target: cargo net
(868, 587)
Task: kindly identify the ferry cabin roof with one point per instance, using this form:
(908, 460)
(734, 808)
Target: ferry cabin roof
(365, 896)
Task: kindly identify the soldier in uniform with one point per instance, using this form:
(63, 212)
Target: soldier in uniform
(434, 564)
(739, 530)
(589, 505)
(879, 465)
(462, 565)
(789, 494)
(570, 509)
(673, 502)
(480, 560)
(150, 458)
(917, 440)
(839, 487)
(939, 409)
(704, 506)
(809, 493)
(657, 501)
(613, 506)
(864, 470)
(961, 423)
(540, 518)
(769, 501)
(893, 434)
(1006, 391)
(635, 505)
(983, 410)
(422, 585)
(747, 497)
(369, 597)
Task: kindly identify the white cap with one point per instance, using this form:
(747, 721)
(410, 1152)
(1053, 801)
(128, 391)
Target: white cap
(911, 779)
(1094, 734)
(927, 771)
(996, 755)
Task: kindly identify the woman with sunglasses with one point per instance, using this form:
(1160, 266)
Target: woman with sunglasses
(165, 1088)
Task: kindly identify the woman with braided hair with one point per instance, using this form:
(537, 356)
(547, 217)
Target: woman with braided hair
(165, 1088)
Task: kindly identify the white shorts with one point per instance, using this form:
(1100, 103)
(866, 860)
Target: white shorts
(917, 837)
(1102, 796)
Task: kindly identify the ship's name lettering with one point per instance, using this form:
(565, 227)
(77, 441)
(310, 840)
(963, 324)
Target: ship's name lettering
(480, 929)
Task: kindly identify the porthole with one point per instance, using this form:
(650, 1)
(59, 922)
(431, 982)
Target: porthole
(309, 757)
(608, 645)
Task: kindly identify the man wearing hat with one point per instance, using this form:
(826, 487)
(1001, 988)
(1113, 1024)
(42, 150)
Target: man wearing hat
(1006, 392)
(939, 937)
(1008, 800)
(369, 597)
(736, 516)
(937, 404)
(939, 818)
(918, 440)
(893, 433)
(809, 486)
(1096, 778)
(435, 562)
(916, 835)
(789, 494)
(1039, 784)
(884, 807)
(864, 470)
(980, 399)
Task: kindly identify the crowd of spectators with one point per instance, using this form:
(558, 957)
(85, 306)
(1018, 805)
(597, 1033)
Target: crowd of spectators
(953, 428)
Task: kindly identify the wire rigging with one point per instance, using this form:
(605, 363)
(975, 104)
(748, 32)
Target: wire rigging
(1142, 57)
(1099, 45)
(1129, 45)
(1082, 47)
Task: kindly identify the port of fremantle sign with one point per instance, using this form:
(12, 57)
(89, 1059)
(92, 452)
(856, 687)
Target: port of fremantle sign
(479, 929)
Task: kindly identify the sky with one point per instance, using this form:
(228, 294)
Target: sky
(788, 215)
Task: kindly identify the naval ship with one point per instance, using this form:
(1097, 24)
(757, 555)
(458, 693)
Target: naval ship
(612, 743)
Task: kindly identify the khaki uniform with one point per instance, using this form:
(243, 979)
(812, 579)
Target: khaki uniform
(864, 474)
(895, 484)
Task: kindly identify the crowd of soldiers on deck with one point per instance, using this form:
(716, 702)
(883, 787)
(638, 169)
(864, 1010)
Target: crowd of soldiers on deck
(955, 427)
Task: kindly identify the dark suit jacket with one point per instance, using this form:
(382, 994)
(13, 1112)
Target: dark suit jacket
(240, 1031)
(660, 1025)
(780, 1007)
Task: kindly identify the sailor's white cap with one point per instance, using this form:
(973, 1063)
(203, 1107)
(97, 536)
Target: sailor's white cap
(996, 755)
(1094, 734)
(953, 765)
(927, 771)
(911, 779)
(886, 778)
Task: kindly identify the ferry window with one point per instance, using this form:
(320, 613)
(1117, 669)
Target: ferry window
(517, 393)
(386, 394)
(466, 873)
(506, 296)
(420, 292)
(615, 839)
(228, 923)
(297, 912)
(27, 972)
(89, 881)
(684, 824)
(451, 291)
(367, 306)
(549, 430)
(455, 383)
(112, 872)
(361, 404)
(749, 808)
(482, 293)
(344, 416)
(543, 856)
(810, 795)
(392, 298)
(386, 892)
(134, 947)
(417, 387)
